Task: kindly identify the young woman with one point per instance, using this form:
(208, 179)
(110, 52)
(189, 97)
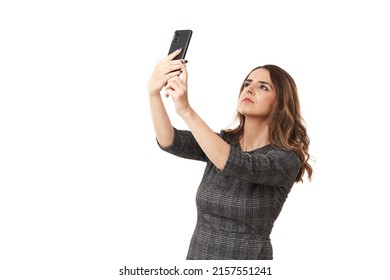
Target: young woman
(249, 170)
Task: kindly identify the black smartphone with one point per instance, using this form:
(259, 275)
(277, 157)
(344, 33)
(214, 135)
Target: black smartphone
(181, 39)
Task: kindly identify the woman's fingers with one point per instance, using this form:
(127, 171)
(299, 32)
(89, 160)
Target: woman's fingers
(165, 69)
(173, 67)
(185, 74)
(173, 55)
(172, 84)
(176, 87)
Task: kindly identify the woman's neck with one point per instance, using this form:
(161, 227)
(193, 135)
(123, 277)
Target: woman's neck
(255, 135)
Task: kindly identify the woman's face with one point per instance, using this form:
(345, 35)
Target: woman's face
(258, 95)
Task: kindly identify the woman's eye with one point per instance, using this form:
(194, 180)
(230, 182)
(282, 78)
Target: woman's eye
(246, 84)
(264, 87)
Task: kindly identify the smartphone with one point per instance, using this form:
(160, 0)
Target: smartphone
(181, 39)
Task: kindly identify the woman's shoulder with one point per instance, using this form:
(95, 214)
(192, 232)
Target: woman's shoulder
(285, 156)
(229, 136)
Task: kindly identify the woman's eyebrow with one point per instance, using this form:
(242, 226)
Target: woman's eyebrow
(264, 82)
(261, 82)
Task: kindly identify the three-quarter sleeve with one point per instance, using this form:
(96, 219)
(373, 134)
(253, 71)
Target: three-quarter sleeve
(277, 167)
(184, 145)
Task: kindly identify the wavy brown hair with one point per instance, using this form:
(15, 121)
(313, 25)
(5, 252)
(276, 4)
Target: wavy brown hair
(286, 126)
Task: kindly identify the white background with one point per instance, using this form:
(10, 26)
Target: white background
(84, 189)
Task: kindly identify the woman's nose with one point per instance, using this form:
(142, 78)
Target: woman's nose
(250, 90)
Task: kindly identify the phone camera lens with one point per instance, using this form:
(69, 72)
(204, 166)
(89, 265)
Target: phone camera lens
(176, 37)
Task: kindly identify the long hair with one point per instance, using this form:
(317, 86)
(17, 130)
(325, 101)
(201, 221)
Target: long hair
(286, 127)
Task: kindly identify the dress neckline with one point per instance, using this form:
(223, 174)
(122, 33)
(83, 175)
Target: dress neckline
(260, 149)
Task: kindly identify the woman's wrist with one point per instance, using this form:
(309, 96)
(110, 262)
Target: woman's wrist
(154, 94)
(188, 114)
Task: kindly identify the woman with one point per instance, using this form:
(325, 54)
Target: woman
(250, 170)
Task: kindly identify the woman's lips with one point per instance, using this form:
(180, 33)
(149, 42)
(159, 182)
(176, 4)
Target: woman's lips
(247, 100)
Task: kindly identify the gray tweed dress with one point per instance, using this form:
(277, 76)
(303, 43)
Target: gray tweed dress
(237, 206)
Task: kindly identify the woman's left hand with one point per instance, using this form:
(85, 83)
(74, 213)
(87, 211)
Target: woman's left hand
(177, 89)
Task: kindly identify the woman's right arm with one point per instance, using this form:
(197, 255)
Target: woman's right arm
(165, 69)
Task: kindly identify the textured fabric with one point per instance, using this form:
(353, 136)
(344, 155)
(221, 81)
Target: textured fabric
(237, 206)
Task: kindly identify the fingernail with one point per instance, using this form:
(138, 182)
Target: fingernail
(184, 61)
(179, 49)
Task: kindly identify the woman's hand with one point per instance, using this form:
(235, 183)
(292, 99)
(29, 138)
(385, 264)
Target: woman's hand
(177, 89)
(165, 69)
